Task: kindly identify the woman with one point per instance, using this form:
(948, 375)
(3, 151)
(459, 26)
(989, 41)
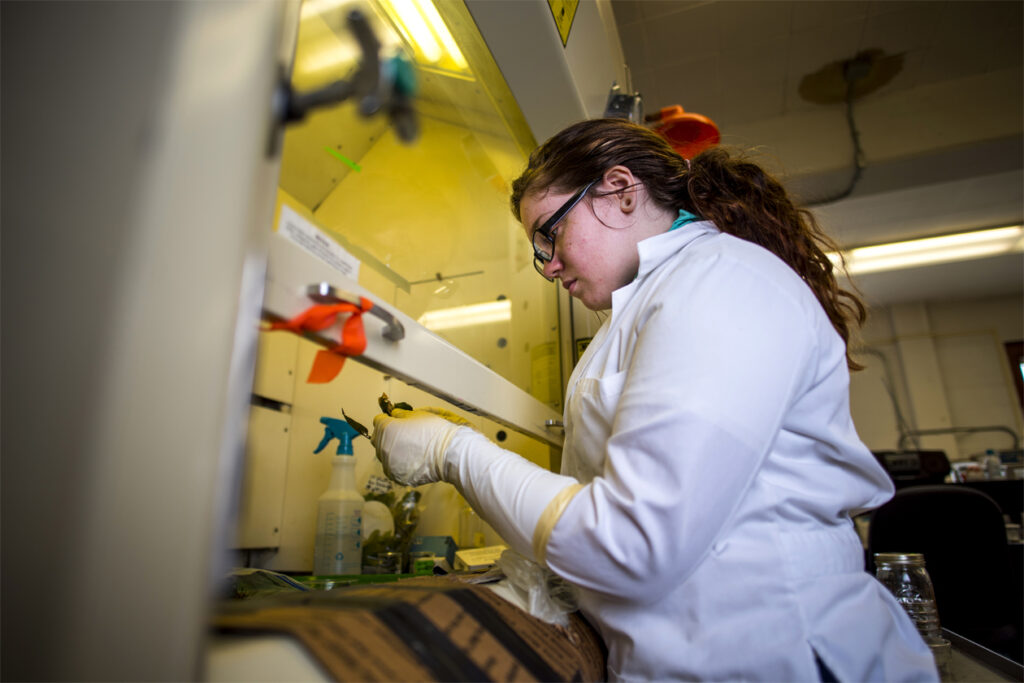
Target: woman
(710, 466)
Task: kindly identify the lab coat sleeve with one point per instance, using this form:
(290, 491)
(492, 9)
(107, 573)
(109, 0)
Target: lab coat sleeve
(509, 492)
(720, 353)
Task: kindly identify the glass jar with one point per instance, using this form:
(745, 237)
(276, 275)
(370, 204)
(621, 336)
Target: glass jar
(384, 562)
(905, 576)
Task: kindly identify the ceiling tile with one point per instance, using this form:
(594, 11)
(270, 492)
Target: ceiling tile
(647, 84)
(959, 28)
(980, 17)
(887, 6)
(811, 14)
(904, 29)
(973, 38)
(627, 12)
(693, 86)
(1008, 15)
(657, 9)
(751, 103)
(634, 46)
(1007, 50)
(683, 36)
(746, 22)
(946, 62)
(747, 64)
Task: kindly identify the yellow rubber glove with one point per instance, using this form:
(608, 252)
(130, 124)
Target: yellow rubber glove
(411, 444)
(440, 412)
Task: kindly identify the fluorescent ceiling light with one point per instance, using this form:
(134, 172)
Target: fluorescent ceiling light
(462, 316)
(933, 250)
(411, 19)
(437, 26)
(422, 27)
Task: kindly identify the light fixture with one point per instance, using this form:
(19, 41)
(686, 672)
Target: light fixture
(437, 26)
(463, 316)
(423, 29)
(933, 250)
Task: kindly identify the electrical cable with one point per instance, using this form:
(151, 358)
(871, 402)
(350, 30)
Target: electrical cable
(854, 70)
(902, 426)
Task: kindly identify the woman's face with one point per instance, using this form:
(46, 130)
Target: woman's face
(592, 256)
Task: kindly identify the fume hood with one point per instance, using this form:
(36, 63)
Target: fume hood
(172, 180)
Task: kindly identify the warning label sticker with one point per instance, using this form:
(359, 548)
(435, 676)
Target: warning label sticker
(312, 239)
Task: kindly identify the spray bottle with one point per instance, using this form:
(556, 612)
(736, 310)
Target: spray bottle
(339, 515)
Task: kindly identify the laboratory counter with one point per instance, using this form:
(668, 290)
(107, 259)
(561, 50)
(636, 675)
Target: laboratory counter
(974, 663)
(439, 628)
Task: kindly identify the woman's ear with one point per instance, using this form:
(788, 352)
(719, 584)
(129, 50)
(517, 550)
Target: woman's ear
(621, 182)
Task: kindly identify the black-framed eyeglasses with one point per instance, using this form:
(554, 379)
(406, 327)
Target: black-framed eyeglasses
(544, 237)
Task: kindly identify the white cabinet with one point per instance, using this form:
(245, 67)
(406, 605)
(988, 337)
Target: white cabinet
(275, 367)
(261, 503)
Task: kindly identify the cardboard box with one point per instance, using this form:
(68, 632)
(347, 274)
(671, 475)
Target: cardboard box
(478, 559)
(423, 629)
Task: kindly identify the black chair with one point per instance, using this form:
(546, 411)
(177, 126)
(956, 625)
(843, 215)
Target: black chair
(976, 575)
(1007, 493)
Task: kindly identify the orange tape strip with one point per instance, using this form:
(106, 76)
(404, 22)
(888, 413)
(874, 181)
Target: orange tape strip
(329, 362)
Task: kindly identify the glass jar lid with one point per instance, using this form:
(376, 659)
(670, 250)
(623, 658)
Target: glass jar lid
(899, 558)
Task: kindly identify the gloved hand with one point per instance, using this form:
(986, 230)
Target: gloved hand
(411, 444)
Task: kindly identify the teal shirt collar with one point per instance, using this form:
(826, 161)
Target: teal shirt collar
(684, 218)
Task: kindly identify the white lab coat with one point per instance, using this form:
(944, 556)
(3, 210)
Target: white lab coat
(710, 420)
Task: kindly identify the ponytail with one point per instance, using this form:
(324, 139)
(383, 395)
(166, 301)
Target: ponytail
(743, 200)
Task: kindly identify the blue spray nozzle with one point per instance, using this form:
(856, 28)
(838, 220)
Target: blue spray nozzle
(340, 430)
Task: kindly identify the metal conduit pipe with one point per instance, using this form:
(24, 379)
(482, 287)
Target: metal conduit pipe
(887, 382)
(960, 430)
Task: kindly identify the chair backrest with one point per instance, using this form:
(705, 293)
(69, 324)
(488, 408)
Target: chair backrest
(962, 535)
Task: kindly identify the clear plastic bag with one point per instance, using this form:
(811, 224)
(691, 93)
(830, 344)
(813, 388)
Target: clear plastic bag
(545, 595)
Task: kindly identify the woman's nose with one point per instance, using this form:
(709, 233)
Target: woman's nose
(552, 267)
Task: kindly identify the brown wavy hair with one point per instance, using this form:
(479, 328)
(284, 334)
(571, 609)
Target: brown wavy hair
(734, 193)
